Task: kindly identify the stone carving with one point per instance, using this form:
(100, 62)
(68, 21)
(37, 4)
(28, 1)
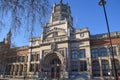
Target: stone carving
(53, 46)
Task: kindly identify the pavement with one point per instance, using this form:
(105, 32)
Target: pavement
(16, 79)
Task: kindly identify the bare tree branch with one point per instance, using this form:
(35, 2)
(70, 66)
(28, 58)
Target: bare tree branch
(24, 14)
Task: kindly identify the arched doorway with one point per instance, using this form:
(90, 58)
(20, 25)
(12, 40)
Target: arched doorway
(53, 65)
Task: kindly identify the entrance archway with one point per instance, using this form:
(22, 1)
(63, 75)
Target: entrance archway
(53, 65)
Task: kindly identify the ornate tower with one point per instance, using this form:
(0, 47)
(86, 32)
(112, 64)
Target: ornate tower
(55, 41)
(61, 12)
(61, 20)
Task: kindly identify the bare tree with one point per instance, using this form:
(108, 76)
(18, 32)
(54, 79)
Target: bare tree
(23, 15)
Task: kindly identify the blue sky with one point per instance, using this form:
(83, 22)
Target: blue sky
(87, 13)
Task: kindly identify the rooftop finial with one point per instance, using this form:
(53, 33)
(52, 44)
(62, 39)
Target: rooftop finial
(60, 1)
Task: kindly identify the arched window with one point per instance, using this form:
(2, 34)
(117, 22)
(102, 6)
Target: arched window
(103, 52)
(95, 68)
(105, 67)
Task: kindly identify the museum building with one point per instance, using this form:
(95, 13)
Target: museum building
(62, 50)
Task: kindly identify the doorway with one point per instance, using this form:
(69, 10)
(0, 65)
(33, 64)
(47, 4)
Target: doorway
(55, 68)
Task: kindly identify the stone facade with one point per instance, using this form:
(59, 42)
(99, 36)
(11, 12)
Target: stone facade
(62, 50)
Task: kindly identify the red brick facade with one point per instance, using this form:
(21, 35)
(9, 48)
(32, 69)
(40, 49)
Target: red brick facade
(104, 42)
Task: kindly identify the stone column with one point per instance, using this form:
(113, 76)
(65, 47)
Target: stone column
(14, 71)
(100, 68)
(29, 58)
(18, 66)
(110, 65)
(89, 66)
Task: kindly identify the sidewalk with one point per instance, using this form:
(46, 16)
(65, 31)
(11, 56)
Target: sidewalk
(16, 79)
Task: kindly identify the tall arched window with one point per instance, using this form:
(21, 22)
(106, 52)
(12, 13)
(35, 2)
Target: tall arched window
(95, 68)
(105, 67)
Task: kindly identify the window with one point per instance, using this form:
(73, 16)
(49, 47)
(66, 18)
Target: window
(74, 54)
(8, 68)
(95, 65)
(94, 53)
(103, 52)
(75, 66)
(37, 57)
(117, 64)
(64, 10)
(31, 67)
(114, 51)
(83, 66)
(34, 57)
(105, 67)
(36, 67)
(95, 68)
(82, 53)
(22, 58)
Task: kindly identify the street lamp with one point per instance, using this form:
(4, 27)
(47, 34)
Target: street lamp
(102, 3)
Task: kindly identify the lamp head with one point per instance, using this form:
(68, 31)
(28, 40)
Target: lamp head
(102, 2)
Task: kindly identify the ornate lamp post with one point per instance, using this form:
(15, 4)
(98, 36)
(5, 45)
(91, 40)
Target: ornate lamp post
(102, 3)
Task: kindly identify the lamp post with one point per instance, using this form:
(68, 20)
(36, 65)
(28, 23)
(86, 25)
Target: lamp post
(102, 3)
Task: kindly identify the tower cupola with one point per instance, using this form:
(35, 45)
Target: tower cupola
(60, 12)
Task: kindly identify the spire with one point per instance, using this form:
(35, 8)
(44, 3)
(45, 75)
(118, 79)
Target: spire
(9, 33)
(8, 38)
